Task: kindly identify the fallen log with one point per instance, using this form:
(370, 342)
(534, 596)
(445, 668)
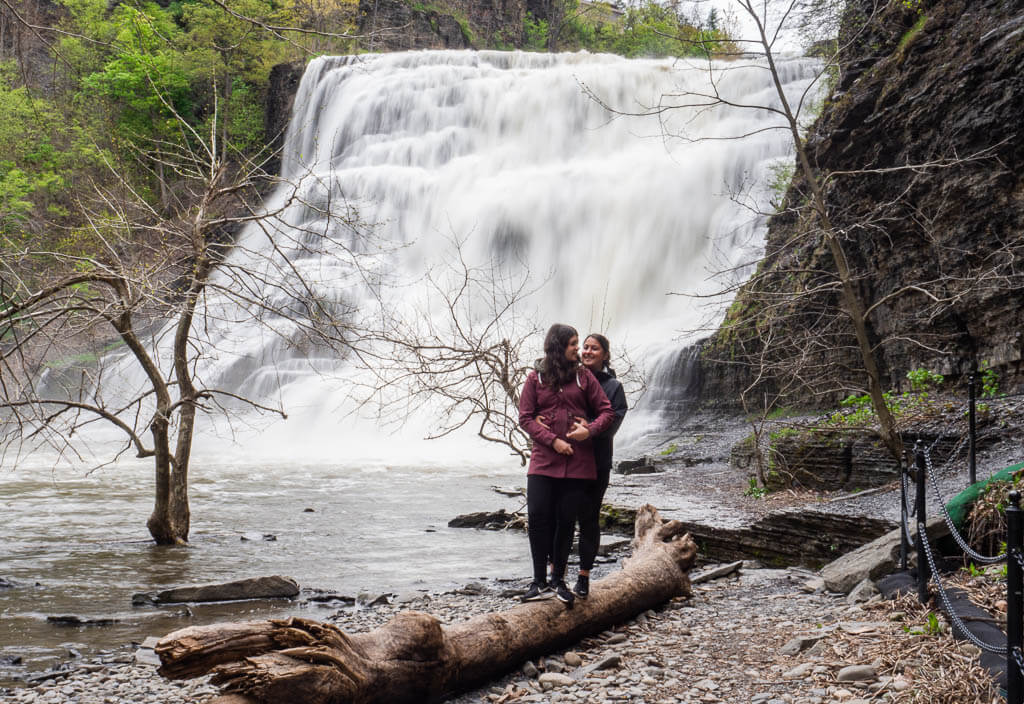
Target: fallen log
(413, 658)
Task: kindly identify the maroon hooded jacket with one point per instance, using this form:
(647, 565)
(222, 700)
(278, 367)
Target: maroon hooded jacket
(559, 407)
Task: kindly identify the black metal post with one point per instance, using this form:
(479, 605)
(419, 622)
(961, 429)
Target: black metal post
(924, 573)
(1014, 605)
(904, 518)
(972, 395)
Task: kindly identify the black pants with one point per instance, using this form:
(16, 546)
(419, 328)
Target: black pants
(552, 506)
(590, 519)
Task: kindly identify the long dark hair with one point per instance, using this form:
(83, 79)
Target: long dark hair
(557, 371)
(603, 341)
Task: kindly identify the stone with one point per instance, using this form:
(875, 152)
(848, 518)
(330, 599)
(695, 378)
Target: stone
(716, 572)
(551, 680)
(873, 560)
(616, 638)
(609, 663)
(146, 656)
(572, 659)
(799, 672)
(863, 592)
(814, 585)
(490, 520)
(798, 644)
(856, 673)
(275, 587)
(79, 621)
(530, 670)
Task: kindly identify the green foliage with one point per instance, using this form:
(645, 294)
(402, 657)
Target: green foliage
(781, 433)
(669, 450)
(781, 176)
(989, 381)
(755, 491)
(922, 380)
(535, 33)
(932, 626)
(648, 29)
(909, 35)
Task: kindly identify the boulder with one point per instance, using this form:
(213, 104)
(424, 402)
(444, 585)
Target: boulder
(490, 520)
(873, 560)
(275, 587)
(643, 465)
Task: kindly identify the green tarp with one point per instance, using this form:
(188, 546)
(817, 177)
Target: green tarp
(961, 504)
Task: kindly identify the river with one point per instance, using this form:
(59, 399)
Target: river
(78, 545)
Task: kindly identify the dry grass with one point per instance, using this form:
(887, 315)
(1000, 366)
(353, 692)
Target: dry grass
(926, 665)
(986, 523)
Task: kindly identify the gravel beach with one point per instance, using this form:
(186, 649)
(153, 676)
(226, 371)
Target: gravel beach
(764, 636)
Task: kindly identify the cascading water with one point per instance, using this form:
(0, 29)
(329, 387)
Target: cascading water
(516, 154)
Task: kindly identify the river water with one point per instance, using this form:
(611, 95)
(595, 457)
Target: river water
(77, 545)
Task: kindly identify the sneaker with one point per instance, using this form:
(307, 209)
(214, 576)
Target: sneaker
(582, 588)
(564, 595)
(537, 592)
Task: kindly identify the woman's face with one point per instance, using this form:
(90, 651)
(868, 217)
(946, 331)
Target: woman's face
(573, 348)
(594, 355)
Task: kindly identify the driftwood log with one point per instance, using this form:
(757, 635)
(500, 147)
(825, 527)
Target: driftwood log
(413, 658)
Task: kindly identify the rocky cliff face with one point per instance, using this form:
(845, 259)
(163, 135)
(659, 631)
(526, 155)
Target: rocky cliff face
(939, 85)
(398, 25)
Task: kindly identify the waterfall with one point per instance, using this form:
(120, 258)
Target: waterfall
(608, 214)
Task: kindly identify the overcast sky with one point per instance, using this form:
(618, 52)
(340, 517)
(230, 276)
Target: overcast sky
(789, 41)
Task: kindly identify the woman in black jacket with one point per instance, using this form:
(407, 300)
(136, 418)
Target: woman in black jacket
(595, 356)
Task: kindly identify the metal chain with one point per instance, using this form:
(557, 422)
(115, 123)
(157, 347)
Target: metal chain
(1018, 658)
(957, 622)
(909, 508)
(1019, 558)
(977, 557)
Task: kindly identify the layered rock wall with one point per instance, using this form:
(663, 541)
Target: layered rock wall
(920, 84)
(399, 25)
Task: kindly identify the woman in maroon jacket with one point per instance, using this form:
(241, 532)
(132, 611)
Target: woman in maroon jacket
(562, 457)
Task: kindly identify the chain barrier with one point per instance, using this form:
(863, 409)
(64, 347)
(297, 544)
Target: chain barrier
(977, 557)
(908, 507)
(1018, 557)
(957, 622)
(1018, 659)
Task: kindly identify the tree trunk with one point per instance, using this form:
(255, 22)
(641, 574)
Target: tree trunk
(413, 658)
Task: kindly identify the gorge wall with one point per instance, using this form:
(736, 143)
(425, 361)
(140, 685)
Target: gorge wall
(400, 25)
(924, 84)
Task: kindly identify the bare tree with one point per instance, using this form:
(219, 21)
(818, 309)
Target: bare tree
(155, 288)
(461, 349)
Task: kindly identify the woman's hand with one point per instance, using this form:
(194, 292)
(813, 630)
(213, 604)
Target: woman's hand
(578, 432)
(542, 422)
(562, 447)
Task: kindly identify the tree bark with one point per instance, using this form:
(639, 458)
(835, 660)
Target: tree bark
(413, 657)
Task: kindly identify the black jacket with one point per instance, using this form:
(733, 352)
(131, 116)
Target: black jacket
(603, 442)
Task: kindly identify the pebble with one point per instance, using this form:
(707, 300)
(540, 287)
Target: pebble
(856, 673)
